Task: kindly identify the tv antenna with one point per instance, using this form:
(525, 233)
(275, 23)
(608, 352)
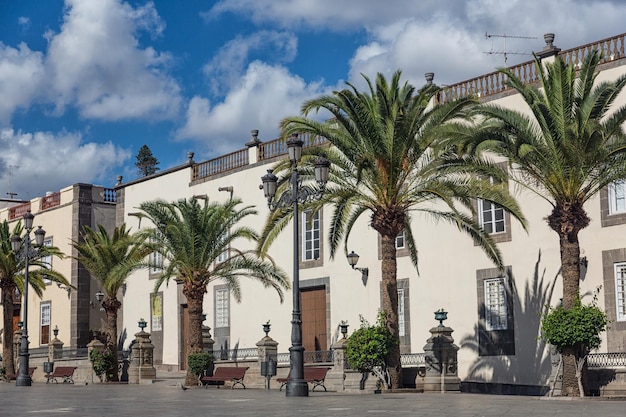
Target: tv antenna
(10, 193)
(504, 51)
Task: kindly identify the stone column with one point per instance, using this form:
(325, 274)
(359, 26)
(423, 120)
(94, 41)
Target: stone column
(336, 375)
(441, 361)
(141, 370)
(207, 341)
(55, 349)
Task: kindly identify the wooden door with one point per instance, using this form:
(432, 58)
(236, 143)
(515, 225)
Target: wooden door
(314, 331)
(185, 336)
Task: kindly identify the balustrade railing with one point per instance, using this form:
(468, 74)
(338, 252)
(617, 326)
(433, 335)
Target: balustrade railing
(49, 201)
(278, 147)
(235, 354)
(218, 165)
(17, 212)
(109, 195)
(603, 360)
(495, 82)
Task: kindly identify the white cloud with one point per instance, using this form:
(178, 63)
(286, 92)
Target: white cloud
(95, 63)
(225, 68)
(264, 95)
(37, 162)
(21, 76)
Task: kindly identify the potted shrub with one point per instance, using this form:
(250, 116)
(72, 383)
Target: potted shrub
(367, 349)
(200, 364)
(104, 363)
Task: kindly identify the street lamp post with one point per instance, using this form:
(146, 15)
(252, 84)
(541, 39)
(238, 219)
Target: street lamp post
(296, 386)
(23, 249)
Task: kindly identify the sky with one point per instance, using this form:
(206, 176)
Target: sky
(85, 83)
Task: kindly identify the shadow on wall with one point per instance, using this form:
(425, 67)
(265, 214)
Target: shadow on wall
(531, 358)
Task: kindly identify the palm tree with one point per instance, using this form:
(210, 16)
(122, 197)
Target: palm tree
(386, 162)
(110, 259)
(569, 147)
(191, 238)
(12, 279)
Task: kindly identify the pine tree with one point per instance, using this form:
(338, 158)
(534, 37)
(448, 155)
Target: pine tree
(146, 162)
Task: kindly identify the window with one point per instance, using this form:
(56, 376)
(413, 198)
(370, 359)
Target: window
(401, 323)
(156, 260)
(44, 320)
(310, 236)
(496, 321)
(221, 307)
(620, 291)
(224, 255)
(46, 261)
(491, 217)
(495, 304)
(400, 241)
(617, 197)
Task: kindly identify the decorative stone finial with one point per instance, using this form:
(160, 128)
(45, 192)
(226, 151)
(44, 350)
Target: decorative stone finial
(430, 76)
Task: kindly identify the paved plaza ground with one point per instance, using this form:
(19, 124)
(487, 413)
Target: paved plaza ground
(166, 398)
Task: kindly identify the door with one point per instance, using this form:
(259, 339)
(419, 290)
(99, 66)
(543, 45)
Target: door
(185, 336)
(314, 331)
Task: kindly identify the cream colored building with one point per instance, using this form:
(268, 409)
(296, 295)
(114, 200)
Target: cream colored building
(495, 316)
(73, 311)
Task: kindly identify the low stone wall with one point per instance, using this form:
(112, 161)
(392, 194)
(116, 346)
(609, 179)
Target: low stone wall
(606, 382)
(82, 375)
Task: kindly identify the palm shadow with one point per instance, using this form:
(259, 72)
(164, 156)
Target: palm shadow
(529, 364)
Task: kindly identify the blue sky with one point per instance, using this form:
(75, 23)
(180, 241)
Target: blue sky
(85, 83)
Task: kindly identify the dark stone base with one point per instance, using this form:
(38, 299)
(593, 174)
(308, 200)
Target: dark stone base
(503, 389)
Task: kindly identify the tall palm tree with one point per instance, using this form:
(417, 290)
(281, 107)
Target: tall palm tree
(110, 259)
(386, 162)
(12, 279)
(191, 238)
(569, 147)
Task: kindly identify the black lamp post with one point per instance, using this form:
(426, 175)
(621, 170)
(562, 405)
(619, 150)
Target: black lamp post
(23, 249)
(296, 386)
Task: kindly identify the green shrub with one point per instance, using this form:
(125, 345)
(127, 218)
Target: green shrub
(368, 346)
(199, 362)
(104, 363)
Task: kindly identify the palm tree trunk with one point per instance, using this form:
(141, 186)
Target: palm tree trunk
(390, 305)
(195, 298)
(570, 270)
(112, 305)
(7, 324)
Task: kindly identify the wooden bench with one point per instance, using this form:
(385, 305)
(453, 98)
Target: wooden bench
(13, 377)
(315, 375)
(65, 372)
(223, 374)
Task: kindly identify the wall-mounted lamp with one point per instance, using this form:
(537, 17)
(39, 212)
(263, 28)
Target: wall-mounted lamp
(138, 215)
(353, 259)
(99, 297)
(228, 189)
(583, 261)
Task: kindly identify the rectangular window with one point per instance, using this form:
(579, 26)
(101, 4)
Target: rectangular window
(46, 260)
(310, 236)
(45, 323)
(221, 307)
(495, 304)
(223, 256)
(620, 291)
(401, 322)
(617, 197)
(156, 260)
(400, 241)
(491, 217)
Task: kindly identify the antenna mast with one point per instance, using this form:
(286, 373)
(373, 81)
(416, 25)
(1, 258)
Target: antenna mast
(505, 52)
(10, 193)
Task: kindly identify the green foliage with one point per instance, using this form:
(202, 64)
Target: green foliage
(3, 372)
(199, 362)
(578, 328)
(369, 345)
(146, 162)
(104, 363)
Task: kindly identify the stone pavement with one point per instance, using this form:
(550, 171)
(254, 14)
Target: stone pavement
(166, 398)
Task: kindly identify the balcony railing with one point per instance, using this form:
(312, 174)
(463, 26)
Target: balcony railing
(278, 147)
(17, 212)
(224, 163)
(495, 82)
(49, 201)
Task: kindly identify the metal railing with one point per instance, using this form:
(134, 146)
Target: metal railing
(603, 360)
(412, 359)
(236, 354)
